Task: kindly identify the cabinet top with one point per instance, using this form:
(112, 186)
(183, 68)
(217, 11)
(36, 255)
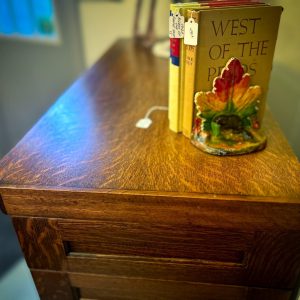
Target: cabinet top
(88, 141)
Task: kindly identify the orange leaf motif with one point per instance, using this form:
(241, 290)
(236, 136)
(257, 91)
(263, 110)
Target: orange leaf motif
(231, 74)
(232, 84)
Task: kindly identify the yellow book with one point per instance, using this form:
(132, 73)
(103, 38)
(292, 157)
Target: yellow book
(176, 70)
(189, 82)
(173, 95)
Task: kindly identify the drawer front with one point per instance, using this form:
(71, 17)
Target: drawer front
(188, 253)
(166, 252)
(155, 268)
(215, 246)
(67, 286)
(117, 288)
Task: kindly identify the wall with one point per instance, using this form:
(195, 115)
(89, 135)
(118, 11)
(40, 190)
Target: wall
(33, 75)
(105, 21)
(284, 94)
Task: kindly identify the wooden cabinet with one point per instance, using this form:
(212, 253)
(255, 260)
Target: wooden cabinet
(104, 210)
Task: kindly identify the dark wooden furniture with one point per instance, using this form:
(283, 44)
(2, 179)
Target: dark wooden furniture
(104, 210)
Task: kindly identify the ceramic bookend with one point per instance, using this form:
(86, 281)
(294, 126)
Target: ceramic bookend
(227, 121)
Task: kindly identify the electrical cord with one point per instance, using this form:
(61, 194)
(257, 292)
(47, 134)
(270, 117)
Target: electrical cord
(146, 121)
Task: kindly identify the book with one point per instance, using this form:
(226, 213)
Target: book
(189, 82)
(174, 77)
(177, 56)
(233, 62)
(176, 69)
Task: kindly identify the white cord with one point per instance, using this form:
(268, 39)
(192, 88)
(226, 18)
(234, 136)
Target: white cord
(146, 121)
(153, 108)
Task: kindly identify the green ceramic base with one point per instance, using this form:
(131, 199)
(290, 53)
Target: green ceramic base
(231, 144)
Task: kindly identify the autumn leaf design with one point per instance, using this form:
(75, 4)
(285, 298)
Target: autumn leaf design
(227, 115)
(231, 90)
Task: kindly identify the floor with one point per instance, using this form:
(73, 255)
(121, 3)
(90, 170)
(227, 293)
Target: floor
(15, 279)
(16, 283)
(10, 250)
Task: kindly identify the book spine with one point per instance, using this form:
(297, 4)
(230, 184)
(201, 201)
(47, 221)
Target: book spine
(181, 78)
(174, 84)
(189, 82)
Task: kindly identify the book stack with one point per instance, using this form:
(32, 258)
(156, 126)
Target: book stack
(221, 55)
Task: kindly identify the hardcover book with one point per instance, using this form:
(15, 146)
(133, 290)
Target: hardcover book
(176, 64)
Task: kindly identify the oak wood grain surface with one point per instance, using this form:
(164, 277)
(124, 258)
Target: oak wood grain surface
(53, 285)
(139, 288)
(88, 141)
(189, 242)
(40, 242)
(169, 252)
(266, 259)
(156, 268)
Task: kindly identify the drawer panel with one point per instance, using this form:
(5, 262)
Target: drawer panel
(156, 268)
(67, 286)
(268, 259)
(152, 240)
(117, 288)
(262, 259)
(140, 289)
